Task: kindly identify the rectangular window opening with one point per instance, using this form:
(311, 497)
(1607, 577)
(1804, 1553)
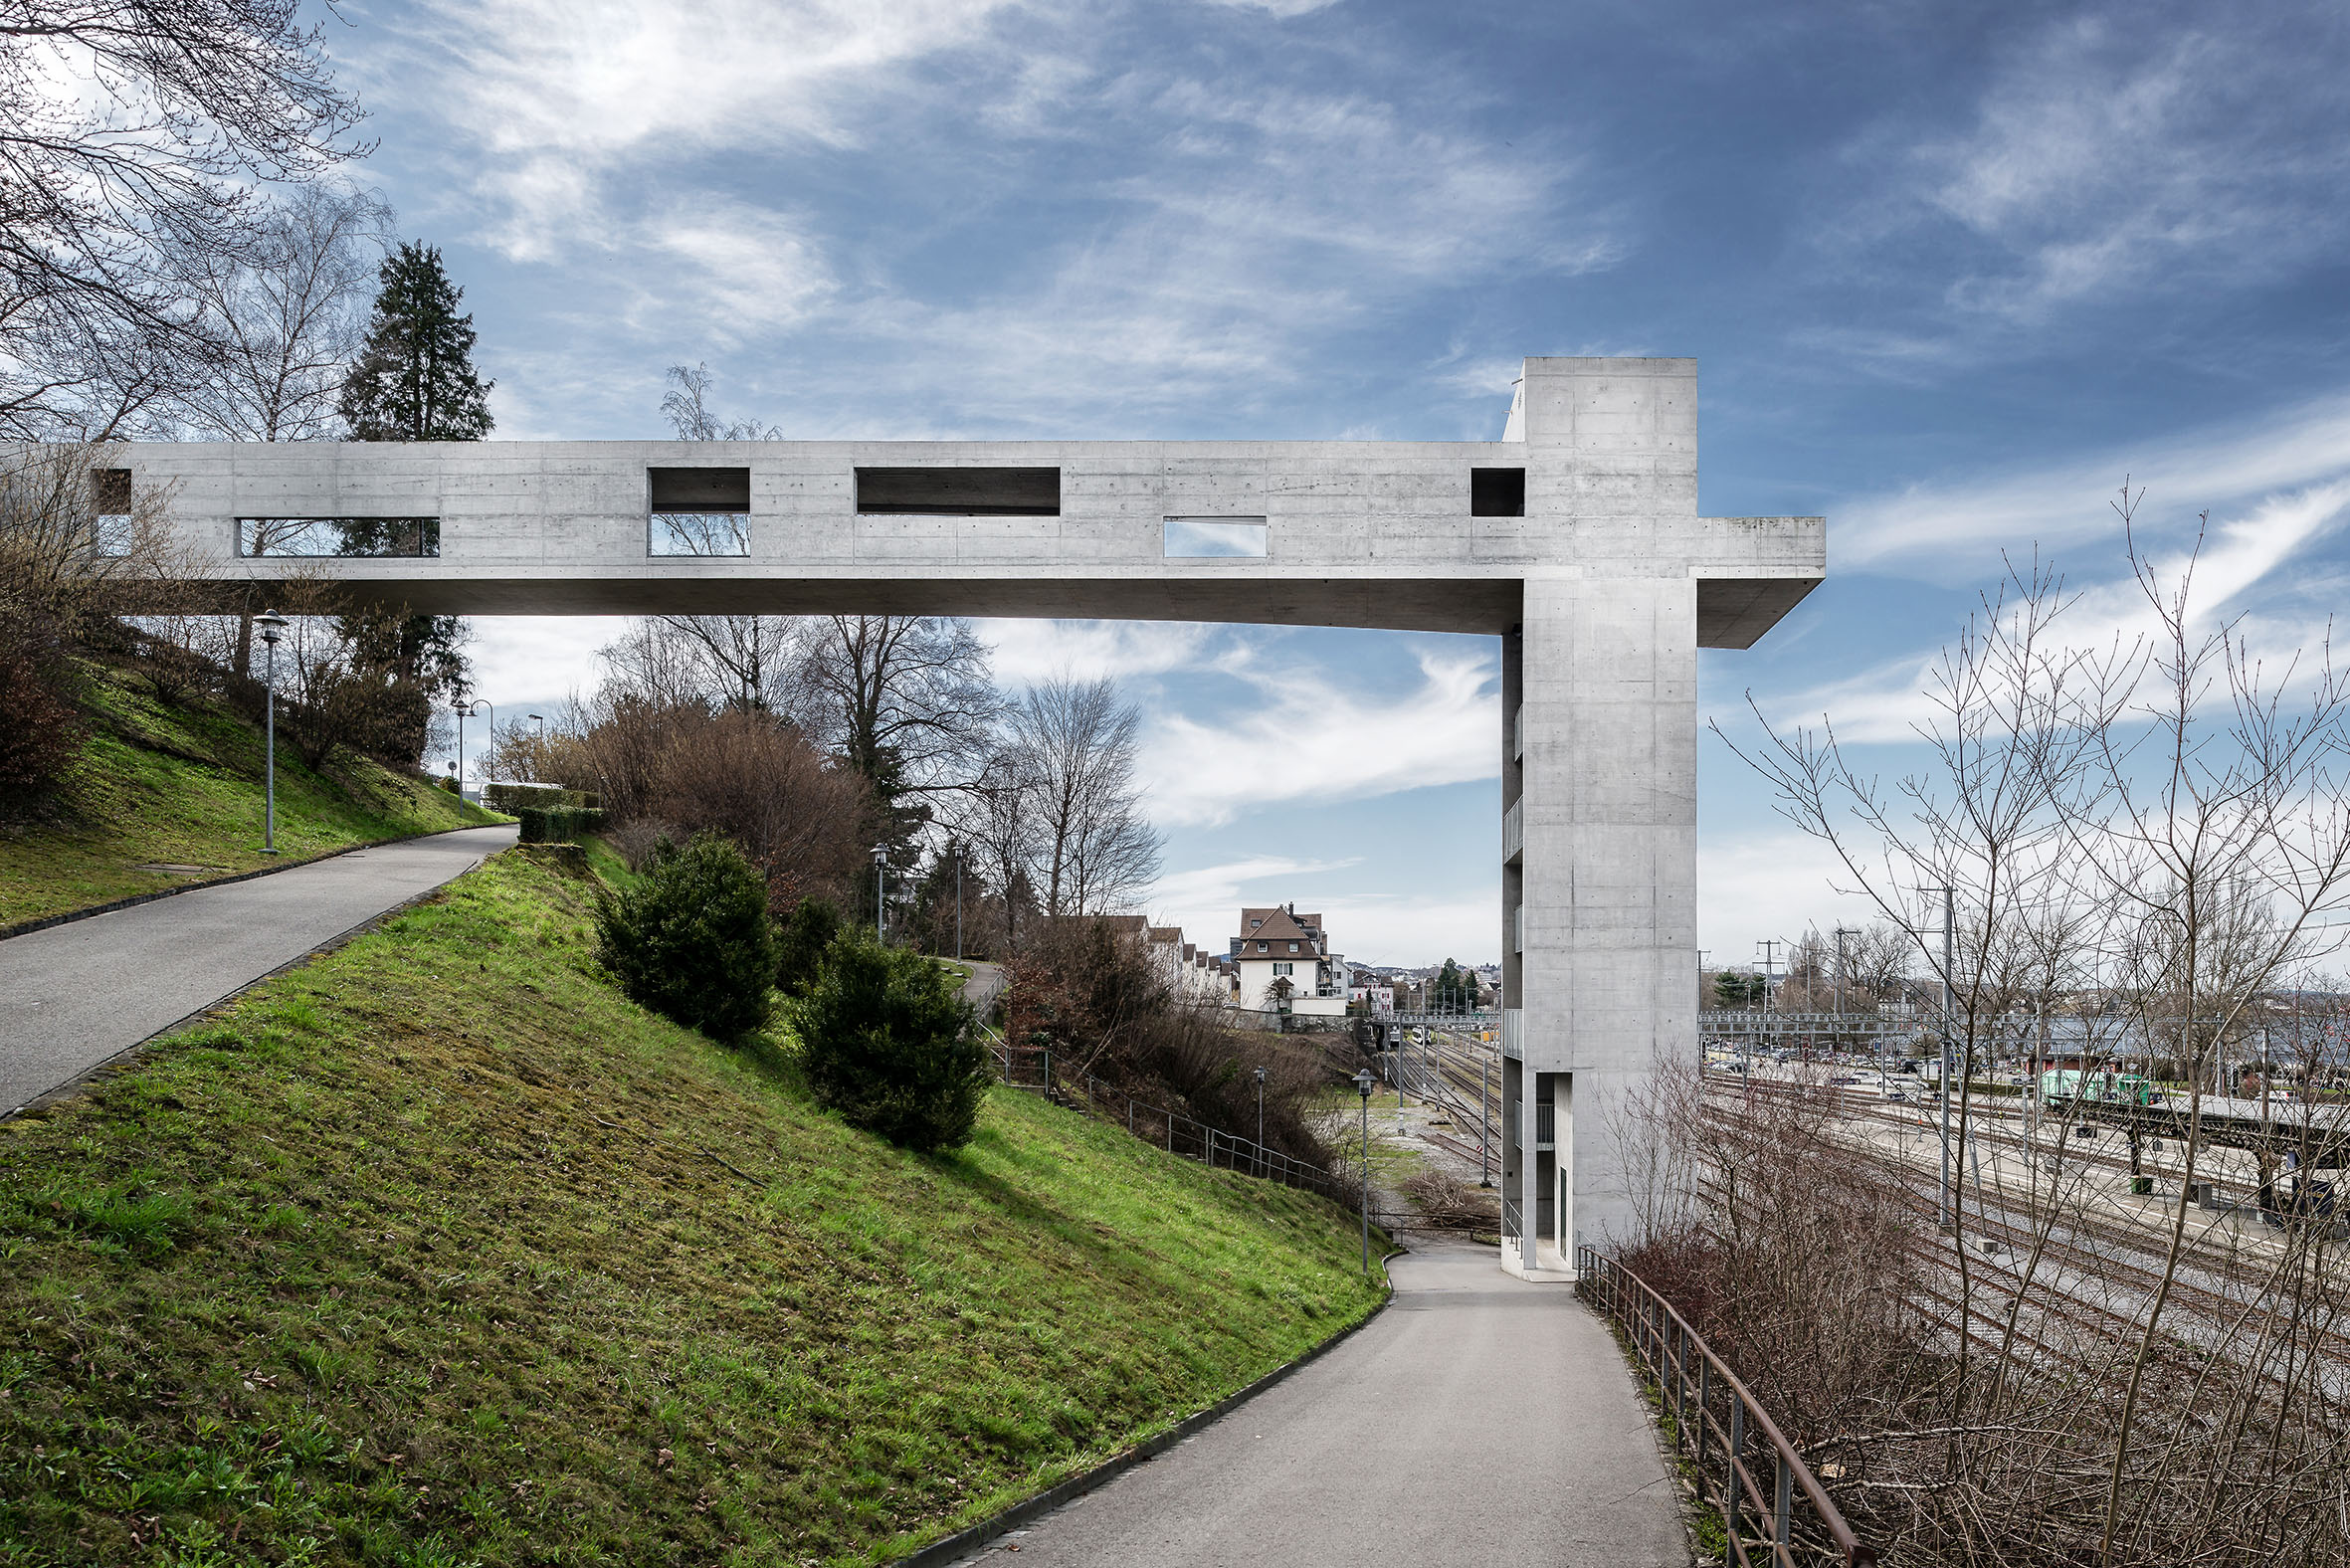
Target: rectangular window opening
(698, 490)
(1216, 539)
(959, 492)
(1497, 492)
(350, 538)
(697, 534)
(109, 505)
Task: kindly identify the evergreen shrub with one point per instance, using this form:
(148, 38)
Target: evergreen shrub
(886, 1040)
(806, 933)
(691, 940)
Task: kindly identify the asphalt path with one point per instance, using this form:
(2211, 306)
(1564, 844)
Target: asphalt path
(1478, 1420)
(73, 996)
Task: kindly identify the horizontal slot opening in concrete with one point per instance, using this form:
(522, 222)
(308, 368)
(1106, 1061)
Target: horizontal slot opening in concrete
(1497, 492)
(699, 489)
(960, 491)
(697, 534)
(1215, 538)
(360, 538)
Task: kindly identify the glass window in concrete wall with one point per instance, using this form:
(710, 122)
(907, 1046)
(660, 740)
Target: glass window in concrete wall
(1215, 538)
(362, 538)
(698, 511)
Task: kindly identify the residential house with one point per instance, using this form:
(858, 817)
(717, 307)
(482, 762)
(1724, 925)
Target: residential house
(1276, 944)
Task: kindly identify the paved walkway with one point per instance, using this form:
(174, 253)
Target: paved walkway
(1478, 1420)
(75, 995)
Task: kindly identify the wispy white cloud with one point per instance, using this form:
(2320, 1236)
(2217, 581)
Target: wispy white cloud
(1223, 887)
(1770, 884)
(1925, 528)
(1206, 228)
(2236, 568)
(559, 94)
(1308, 735)
(2106, 154)
(751, 269)
(1031, 651)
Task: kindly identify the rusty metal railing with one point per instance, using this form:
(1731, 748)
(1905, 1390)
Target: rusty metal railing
(1715, 1414)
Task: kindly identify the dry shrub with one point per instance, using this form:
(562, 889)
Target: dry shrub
(1087, 988)
(1448, 1202)
(40, 727)
(757, 781)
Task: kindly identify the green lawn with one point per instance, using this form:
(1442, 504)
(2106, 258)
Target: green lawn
(158, 785)
(437, 1252)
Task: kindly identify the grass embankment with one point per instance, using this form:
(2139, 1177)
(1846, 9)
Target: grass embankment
(438, 1251)
(157, 785)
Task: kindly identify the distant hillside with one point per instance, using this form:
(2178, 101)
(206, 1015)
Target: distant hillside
(162, 786)
(438, 1251)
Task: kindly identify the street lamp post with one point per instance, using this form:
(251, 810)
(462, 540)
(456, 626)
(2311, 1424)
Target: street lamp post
(272, 625)
(958, 849)
(881, 894)
(463, 710)
(1261, 1121)
(1362, 1086)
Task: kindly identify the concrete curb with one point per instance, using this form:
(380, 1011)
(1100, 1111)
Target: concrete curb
(90, 1074)
(963, 1543)
(28, 927)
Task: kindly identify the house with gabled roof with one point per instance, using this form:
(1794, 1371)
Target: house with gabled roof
(1278, 944)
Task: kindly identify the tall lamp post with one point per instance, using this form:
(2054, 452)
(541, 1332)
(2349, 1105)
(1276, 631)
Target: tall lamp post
(272, 625)
(1362, 1086)
(881, 894)
(463, 710)
(1261, 1121)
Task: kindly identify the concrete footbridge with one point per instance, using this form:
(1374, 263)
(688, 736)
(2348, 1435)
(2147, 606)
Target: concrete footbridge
(1575, 540)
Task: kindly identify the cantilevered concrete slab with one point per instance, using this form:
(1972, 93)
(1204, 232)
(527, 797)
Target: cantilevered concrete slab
(1575, 538)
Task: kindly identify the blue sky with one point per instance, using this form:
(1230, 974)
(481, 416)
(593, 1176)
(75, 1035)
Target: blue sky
(1950, 270)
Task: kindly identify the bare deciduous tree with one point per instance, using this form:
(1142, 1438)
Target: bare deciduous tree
(131, 135)
(1070, 749)
(289, 310)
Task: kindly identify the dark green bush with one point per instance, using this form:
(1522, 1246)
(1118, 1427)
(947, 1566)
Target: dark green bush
(691, 940)
(802, 943)
(888, 1042)
(555, 824)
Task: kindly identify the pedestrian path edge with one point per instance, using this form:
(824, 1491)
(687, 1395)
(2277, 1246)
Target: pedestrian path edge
(47, 921)
(963, 1543)
(90, 1074)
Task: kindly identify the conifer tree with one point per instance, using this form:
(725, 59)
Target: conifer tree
(415, 378)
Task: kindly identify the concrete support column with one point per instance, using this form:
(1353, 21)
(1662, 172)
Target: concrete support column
(1529, 1173)
(1607, 877)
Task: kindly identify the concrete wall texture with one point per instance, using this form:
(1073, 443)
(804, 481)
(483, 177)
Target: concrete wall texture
(1602, 591)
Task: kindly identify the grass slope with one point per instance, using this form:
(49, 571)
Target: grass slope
(161, 784)
(437, 1252)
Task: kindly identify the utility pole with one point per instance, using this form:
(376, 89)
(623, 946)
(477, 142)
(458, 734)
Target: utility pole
(1949, 937)
(1484, 1122)
(1841, 960)
(958, 849)
(881, 894)
(1770, 947)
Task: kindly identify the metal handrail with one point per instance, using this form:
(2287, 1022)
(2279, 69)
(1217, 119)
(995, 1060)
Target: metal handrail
(1199, 1140)
(1667, 1346)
